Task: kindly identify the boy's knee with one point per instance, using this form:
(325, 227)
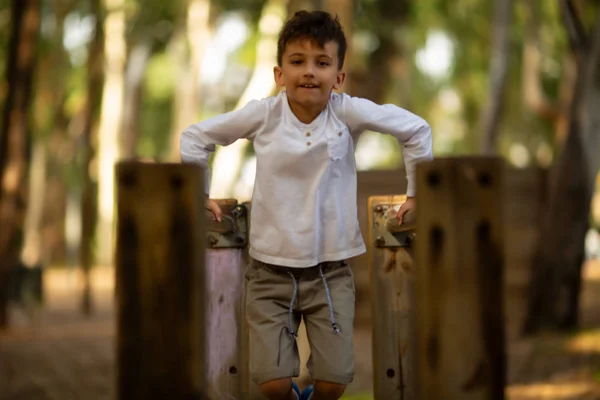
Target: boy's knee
(278, 389)
(329, 390)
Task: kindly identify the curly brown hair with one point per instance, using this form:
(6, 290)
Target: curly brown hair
(319, 26)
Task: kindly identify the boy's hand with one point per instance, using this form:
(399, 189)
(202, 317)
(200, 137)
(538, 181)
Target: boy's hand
(409, 205)
(213, 207)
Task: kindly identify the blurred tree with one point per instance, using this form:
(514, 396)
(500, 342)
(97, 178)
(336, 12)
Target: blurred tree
(308, 5)
(228, 161)
(344, 10)
(15, 139)
(556, 282)
(151, 26)
(189, 43)
(110, 124)
(88, 148)
(380, 77)
(52, 137)
(44, 227)
(137, 62)
(498, 75)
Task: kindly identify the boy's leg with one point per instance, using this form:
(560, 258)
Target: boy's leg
(331, 362)
(273, 352)
(280, 389)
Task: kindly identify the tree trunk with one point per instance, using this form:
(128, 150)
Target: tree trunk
(344, 9)
(55, 195)
(31, 253)
(533, 92)
(95, 78)
(45, 222)
(556, 281)
(308, 5)
(534, 97)
(386, 67)
(498, 74)
(189, 46)
(134, 79)
(110, 124)
(228, 161)
(15, 139)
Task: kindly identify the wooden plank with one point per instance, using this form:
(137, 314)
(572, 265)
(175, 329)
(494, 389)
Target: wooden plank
(224, 317)
(159, 282)
(459, 246)
(392, 272)
(228, 372)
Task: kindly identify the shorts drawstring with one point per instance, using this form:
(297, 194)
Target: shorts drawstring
(290, 327)
(336, 329)
(291, 310)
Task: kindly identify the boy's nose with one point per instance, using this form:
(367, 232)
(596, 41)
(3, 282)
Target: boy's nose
(309, 70)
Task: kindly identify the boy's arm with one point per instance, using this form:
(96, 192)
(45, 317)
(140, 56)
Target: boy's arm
(199, 140)
(412, 131)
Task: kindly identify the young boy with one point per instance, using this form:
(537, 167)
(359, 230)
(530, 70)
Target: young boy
(304, 213)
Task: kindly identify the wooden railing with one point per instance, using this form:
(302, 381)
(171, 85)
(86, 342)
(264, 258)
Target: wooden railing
(437, 286)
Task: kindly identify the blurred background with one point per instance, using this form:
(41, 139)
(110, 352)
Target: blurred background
(88, 83)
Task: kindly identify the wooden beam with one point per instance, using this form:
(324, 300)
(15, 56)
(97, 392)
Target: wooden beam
(161, 296)
(392, 274)
(458, 288)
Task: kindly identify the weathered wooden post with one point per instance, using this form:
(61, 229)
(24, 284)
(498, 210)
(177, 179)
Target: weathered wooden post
(392, 273)
(161, 300)
(458, 286)
(226, 331)
(181, 332)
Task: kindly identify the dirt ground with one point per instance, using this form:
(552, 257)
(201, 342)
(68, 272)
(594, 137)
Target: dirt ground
(55, 353)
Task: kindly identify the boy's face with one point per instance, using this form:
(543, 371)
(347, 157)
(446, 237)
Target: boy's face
(309, 72)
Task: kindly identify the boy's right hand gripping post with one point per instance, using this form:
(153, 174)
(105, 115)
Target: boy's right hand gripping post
(213, 207)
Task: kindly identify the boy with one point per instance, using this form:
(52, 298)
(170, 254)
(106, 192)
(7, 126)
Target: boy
(304, 214)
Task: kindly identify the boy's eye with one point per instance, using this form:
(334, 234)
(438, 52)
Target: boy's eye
(297, 62)
(323, 63)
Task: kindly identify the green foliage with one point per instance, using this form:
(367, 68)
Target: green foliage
(157, 105)
(153, 20)
(160, 77)
(246, 54)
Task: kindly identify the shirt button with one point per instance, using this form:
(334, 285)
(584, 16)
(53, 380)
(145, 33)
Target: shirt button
(339, 133)
(308, 143)
(307, 133)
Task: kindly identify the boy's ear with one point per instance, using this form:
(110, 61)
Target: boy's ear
(339, 82)
(278, 75)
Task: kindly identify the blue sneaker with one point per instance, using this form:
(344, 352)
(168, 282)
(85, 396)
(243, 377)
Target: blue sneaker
(296, 389)
(307, 393)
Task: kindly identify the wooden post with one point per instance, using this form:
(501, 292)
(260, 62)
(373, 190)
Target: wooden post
(161, 301)
(459, 315)
(392, 272)
(370, 183)
(227, 366)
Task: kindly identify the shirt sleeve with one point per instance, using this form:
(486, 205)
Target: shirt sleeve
(197, 141)
(412, 131)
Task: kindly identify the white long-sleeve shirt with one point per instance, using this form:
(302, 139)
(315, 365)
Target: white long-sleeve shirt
(304, 208)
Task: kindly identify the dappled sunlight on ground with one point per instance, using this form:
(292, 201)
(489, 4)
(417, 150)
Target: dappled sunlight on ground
(553, 391)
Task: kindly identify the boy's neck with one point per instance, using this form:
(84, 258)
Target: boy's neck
(304, 114)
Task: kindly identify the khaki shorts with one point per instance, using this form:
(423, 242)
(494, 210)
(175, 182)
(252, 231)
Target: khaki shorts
(273, 349)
